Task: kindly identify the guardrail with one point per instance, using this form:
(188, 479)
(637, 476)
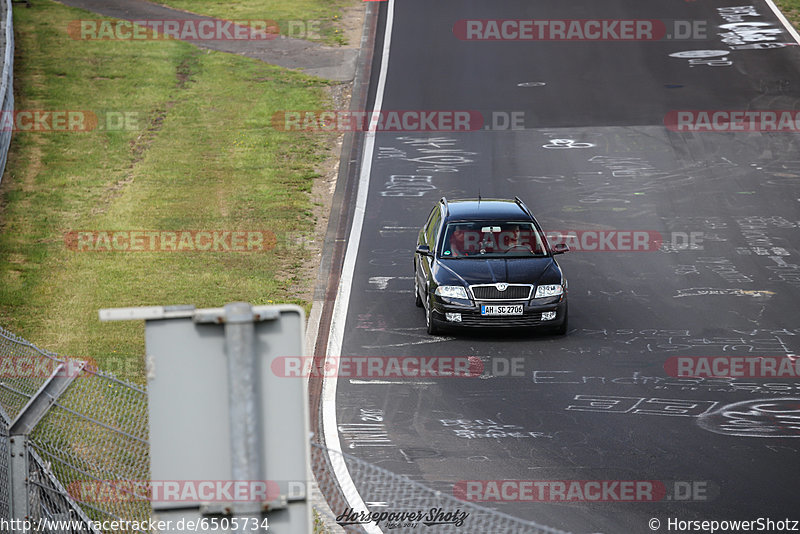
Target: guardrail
(7, 86)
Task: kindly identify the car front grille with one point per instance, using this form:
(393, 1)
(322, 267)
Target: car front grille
(475, 319)
(512, 292)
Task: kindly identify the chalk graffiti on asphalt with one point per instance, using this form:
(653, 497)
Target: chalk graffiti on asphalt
(767, 418)
(740, 32)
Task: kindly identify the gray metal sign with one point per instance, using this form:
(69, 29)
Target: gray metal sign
(228, 436)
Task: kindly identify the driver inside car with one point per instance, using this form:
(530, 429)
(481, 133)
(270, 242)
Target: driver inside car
(514, 239)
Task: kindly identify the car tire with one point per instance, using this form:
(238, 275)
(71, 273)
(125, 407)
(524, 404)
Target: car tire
(417, 299)
(562, 330)
(432, 328)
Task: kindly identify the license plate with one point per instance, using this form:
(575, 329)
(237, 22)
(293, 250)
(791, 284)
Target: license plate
(498, 309)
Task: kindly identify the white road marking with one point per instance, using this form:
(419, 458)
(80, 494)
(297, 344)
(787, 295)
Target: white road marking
(382, 281)
(412, 332)
(384, 382)
(784, 21)
(409, 343)
(329, 426)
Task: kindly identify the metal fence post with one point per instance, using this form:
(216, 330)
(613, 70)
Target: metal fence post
(21, 428)
(249, 427)
(18, 470)
(7, 83)
(245, 420)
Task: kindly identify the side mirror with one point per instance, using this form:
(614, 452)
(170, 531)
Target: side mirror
(425, 250)
(560, 248)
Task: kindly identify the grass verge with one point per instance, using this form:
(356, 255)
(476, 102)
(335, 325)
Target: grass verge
(315, 20)
(196, 152)
(791, 9)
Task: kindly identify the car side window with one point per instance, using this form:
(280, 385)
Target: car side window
(423, 234)
(433, 227)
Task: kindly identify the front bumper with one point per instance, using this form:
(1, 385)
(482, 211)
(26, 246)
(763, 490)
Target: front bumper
(470, 313)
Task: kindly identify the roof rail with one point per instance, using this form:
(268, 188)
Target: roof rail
(446, 206)
(522, 205)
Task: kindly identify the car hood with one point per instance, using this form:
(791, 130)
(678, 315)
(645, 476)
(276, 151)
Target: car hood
(490, 271)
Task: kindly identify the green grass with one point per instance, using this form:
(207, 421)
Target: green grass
(202, 156)
(327, 13)
(790, 8)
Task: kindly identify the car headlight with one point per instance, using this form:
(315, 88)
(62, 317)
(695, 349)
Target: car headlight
(453, 292)
(551, 290)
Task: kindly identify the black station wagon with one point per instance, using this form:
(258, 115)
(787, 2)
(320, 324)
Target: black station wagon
(487, 263)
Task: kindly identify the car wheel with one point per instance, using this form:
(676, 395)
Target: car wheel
(418, 299)
(562, 330)
(432, 328)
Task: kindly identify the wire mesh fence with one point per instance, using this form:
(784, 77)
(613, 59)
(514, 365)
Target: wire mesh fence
(88, 455)
(49, 500)
(95, 438)
(91, 439)
(6, 80)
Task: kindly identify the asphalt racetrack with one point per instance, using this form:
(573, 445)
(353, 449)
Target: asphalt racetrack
(589, 133)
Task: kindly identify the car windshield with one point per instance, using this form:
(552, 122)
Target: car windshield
(491, 239)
